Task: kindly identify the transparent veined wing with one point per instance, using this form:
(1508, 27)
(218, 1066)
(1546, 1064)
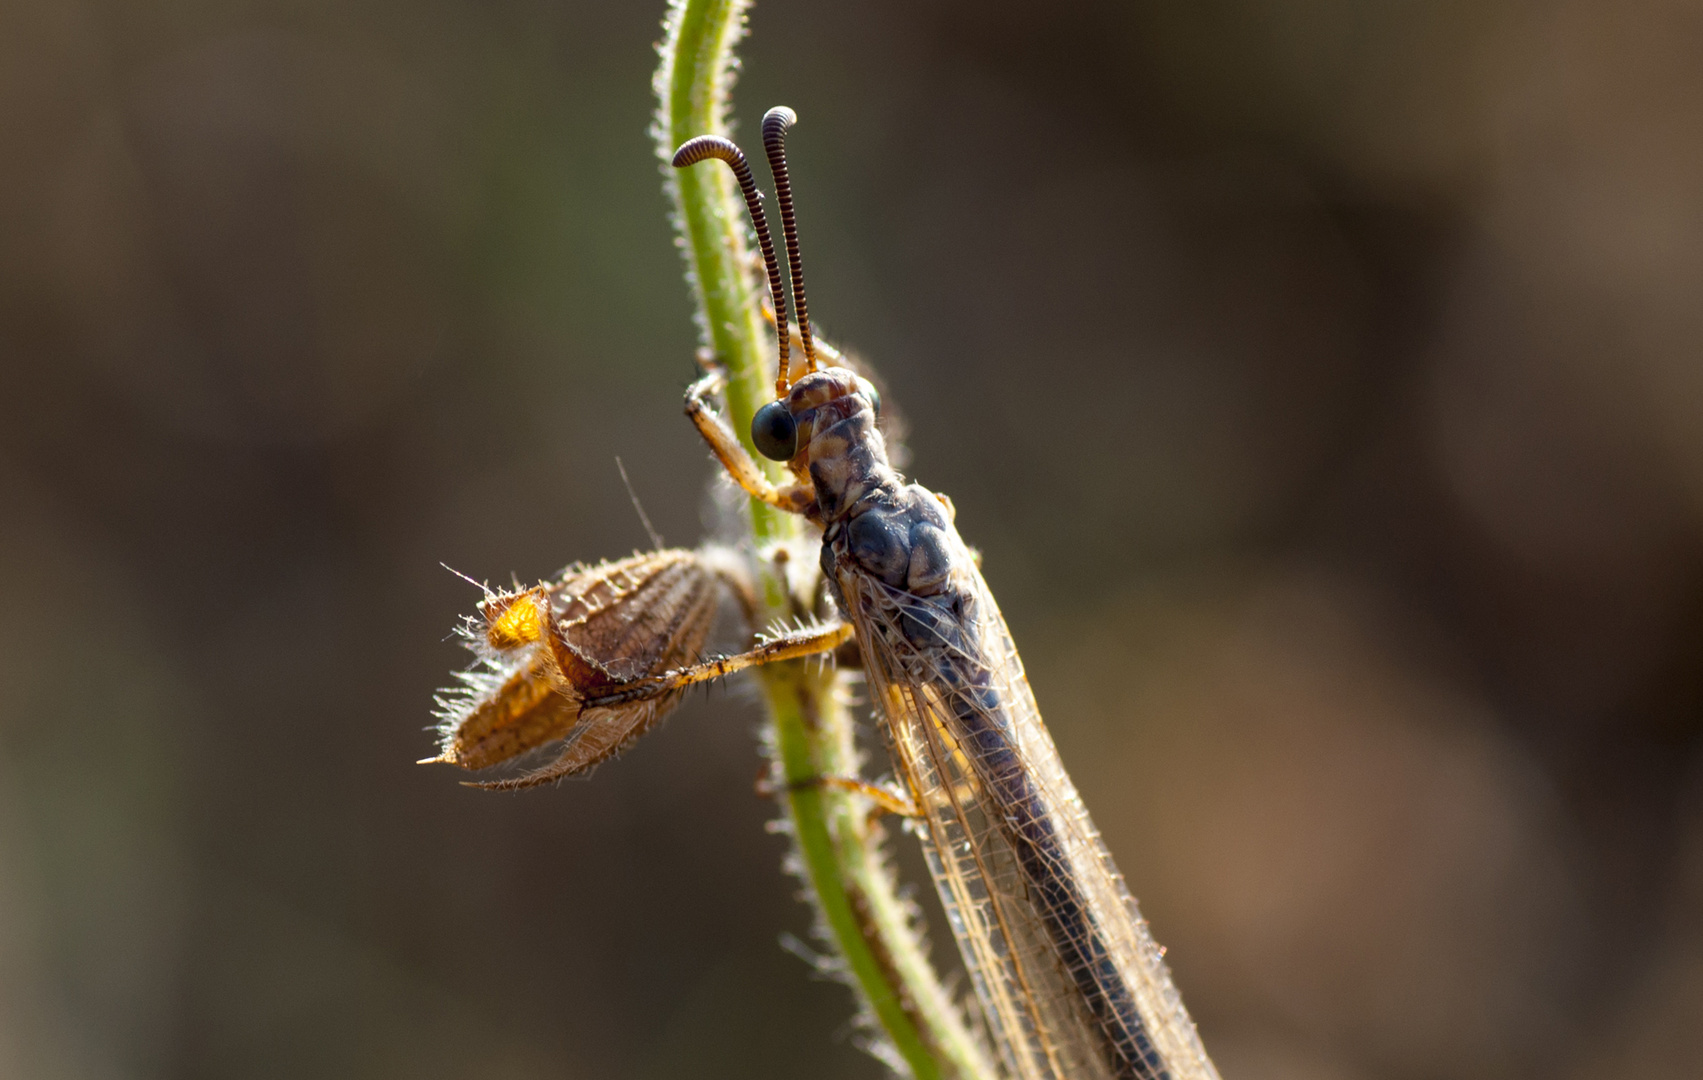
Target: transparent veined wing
(1070, 980)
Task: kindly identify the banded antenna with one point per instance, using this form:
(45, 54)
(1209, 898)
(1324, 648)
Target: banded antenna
(775, 123)
(705, 147)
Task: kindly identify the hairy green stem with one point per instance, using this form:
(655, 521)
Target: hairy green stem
(693, 84)
(872, 929)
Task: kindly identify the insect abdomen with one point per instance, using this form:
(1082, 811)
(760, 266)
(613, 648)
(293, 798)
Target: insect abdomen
(985, 732)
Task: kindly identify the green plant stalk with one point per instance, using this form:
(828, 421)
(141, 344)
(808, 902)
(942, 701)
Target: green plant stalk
(693, 84)
(861, 915)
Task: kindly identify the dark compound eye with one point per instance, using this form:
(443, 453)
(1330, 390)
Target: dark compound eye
(774, 432)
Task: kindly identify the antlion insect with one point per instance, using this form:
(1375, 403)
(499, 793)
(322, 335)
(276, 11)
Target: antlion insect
(1070, 982)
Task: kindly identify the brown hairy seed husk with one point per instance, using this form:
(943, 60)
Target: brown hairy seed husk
(544, 650)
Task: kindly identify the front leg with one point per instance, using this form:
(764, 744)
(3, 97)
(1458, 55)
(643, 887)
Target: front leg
(810, 641)
(794, 498)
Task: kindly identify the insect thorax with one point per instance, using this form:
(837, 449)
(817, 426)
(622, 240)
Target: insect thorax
(876, 524)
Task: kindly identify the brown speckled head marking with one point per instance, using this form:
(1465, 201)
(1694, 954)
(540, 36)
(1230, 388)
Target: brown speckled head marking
(839, 446)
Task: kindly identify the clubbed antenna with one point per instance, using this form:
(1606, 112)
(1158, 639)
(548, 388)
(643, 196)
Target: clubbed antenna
(704, 147)
(775, 123)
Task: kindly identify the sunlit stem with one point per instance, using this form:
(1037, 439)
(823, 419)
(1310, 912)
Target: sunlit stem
(860, 913)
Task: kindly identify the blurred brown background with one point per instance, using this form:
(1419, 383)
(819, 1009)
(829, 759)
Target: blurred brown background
(1320, 380)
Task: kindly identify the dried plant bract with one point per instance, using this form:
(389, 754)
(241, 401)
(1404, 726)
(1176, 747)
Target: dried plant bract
(545, 650)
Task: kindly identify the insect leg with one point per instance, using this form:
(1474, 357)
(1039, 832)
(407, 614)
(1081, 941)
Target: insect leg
(790, 646)
(727, 449)
(883, 800)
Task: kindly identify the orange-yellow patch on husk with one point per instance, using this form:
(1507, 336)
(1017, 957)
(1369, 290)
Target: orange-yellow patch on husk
(516, 619)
